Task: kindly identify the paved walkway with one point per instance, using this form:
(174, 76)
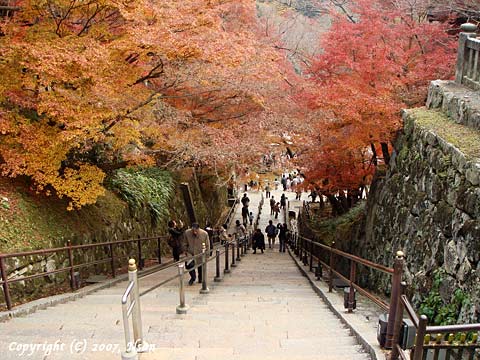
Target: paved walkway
(265, 309)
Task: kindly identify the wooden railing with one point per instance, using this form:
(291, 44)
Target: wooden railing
(310, 251)
(306, 209)
(468, 62)
(451, 342)
(231, 213)
(69, 253)
(8, 7)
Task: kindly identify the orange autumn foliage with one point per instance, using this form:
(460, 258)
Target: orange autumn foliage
(89, 86)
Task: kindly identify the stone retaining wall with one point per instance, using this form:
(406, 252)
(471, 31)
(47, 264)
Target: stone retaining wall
(209, 202)
(428, 205)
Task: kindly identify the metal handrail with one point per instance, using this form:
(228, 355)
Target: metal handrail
(131, 308)
(132, 290)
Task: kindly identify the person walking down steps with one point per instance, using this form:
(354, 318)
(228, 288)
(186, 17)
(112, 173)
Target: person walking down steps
(271, 231)
(245, 200)
(240, 230)
(175, 240)
(196, 239)
(245, 215)
(282, 235)
(272, 205)
(276, 210)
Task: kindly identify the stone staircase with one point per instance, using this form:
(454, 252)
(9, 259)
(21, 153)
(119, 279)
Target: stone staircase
(265, 309)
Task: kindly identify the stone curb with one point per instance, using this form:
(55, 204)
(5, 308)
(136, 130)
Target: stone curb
(372, 350)
(40, 304)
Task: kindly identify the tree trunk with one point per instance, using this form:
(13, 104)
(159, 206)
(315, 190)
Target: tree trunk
(386, 154)
(374, 156)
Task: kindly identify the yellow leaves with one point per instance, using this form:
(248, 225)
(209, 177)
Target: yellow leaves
(126, 133)
(82, 185)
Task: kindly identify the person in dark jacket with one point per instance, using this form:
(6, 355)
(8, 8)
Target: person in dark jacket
(282, 236)
(245, 215)
(258, 240)
(271, 231)
(283, 201)
(245, 200)
(176, 238)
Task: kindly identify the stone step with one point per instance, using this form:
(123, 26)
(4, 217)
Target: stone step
(457, 102)
(265, 309)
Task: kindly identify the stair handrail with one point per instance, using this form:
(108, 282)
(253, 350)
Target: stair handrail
(307, 252)
(131, 308)
(70, 250)
(433, 338)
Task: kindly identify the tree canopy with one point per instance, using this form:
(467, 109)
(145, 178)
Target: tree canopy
(91, 85)
(376, 60)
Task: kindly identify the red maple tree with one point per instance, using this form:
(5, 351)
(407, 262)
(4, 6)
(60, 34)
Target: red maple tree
(376, 61)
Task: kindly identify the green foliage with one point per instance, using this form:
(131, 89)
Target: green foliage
(150, 187)
(340, 226)
(4, 203)
(439, 312)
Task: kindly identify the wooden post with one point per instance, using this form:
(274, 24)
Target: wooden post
(139, 246)
(159, 249)
(395, 296)
(351, 294)
(311, 255)
(70, 262)
(112, 259)
(6, 290)
(398, 324)
(332, 264)
(418, 350)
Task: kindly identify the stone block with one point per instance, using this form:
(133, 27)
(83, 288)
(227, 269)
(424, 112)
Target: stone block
(472, 173)
(450, 258)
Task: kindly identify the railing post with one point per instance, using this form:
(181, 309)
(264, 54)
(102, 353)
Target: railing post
(204, 289)
(112, 260)
(394, 297)
(332, 264)
(217, 277)
(137, 311)
(238, 251)
(351, 294)
(139, 246)
(468, 30)
(242, 247)
(318, 270)
(70, 264)
(418, 349)
(398, 324)
(300, 249)
(311, 255)
(6, 290)
(227, 268)
(181, 308)
(232, 263)
(159, 249)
